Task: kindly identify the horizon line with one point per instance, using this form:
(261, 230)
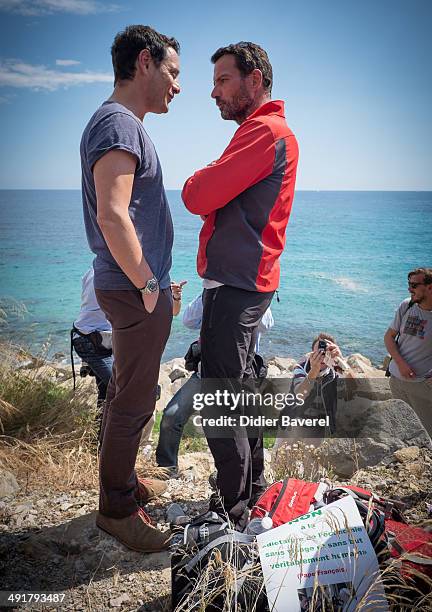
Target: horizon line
(428, 190)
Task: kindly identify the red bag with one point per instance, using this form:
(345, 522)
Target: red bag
(413, 545)
(285, 500)
(386, 526)
(391, 508)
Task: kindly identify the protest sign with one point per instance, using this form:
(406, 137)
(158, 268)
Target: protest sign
(322, 560)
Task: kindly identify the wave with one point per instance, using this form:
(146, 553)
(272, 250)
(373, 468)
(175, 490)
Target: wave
(343, 281)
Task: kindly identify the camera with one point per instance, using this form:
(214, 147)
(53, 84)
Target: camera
(322, 345)
(85, 370)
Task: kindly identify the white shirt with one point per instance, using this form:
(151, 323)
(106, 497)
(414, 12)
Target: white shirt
(210, 284)
(192, 317)
(91, 317)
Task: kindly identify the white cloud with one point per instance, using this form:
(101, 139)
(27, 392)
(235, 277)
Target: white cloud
(15, 73)
(67, 62)
(48, 7)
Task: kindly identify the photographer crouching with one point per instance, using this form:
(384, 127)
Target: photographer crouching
(315, 384)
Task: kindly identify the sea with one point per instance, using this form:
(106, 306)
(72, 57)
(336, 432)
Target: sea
(343, 271)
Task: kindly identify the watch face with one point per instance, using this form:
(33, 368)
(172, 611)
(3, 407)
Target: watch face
(152, 285)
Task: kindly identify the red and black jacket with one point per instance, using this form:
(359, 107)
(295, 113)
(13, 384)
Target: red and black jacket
(246, 196)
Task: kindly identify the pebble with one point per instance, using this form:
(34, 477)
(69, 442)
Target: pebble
(117, 602)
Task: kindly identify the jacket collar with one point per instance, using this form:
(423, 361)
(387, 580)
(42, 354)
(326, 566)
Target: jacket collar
(273, 107)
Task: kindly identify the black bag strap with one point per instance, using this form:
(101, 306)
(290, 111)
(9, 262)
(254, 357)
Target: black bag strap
(72, 331)
(230, 537)
(411, 303)
(396, 338)
(279, 498)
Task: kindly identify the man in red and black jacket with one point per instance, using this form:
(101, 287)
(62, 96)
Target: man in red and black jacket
(245, 199)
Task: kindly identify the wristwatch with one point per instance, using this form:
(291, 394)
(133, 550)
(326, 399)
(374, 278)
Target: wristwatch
(150, 287)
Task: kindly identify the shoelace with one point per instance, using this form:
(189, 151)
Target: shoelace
(145, 517)
(143, 484)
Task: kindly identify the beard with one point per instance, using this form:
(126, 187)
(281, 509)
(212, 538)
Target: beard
(238, 108)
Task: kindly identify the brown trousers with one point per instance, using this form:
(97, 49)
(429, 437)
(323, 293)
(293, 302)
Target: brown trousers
(139, 340)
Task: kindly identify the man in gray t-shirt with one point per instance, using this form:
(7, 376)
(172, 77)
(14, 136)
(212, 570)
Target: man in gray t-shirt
(409, 342)
(129, 228)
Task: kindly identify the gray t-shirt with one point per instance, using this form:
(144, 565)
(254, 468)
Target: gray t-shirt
(113, 126)
(415, 340)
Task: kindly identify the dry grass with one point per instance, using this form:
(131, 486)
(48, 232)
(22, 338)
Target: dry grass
(300, 460)
(33, 402)
(59, 462)
(48, 430)
(219, 580)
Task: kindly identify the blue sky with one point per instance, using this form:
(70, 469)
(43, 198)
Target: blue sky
(355, 77)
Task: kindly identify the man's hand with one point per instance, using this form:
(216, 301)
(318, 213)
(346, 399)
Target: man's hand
(333, 350)
(315, 364)
(405, 369)
(150, 300)
(177, 288)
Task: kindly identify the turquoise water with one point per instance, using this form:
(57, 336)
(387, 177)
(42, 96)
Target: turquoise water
(343, 270)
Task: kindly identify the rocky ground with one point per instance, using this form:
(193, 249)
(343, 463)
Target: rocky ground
(49, 541)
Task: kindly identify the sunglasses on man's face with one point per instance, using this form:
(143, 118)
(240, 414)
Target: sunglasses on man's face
(414, 285)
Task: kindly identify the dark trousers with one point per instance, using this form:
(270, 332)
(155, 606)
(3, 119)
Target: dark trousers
(228, 335)
(139, 339)
(174, 418)
(100, 363)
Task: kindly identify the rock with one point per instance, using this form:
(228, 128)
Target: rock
(201, 465)
(372, 436)
(80, 540)
(385, 363)
(8, 484)
(284, 364)
(177, 385)
(410, 453)
(173, 364)
(172, 376)
(178, 373)
(416, 469)
(273, 371)
(372, 388)
(66, 505)
(357, 360)
(117, 602)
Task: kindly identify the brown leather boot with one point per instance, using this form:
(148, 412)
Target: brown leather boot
(135, 531)
(148, 489)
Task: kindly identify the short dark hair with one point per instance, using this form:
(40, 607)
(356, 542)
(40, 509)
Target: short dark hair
(248, 57)
(427, 274)
(128, 44)
(323, 336)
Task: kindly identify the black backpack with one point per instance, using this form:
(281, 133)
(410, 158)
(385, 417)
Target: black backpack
(193, 357)
(214, 568)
